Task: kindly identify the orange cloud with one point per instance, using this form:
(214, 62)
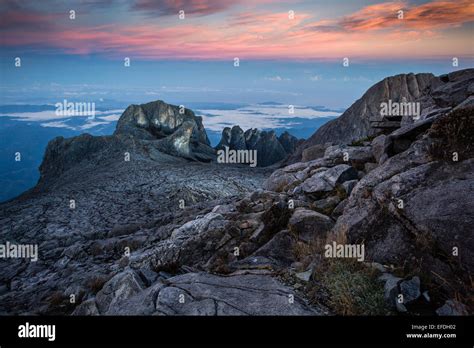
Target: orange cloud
(433, 15)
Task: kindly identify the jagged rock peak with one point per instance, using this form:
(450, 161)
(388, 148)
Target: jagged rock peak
(177, 130)
(157, 119)
(270, 148)
(288, 141)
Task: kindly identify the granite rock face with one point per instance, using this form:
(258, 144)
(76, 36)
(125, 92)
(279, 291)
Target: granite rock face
(288, 141)
(156, 120)
(174, 129)
(409, 200)
(435, 94)
(233, 295)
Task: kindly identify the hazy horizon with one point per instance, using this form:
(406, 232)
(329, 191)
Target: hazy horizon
(139, 50)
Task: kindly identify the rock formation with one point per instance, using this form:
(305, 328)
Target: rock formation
(363, 119)
(270, 148)
(131, 230)
(175, 129)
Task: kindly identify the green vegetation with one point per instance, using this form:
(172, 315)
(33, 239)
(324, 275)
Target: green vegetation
(361, 141)
(352, 288)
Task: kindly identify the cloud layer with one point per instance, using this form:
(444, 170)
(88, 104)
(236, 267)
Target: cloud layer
(212, 29)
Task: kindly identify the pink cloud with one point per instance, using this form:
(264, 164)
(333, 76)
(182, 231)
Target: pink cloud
(373, 31)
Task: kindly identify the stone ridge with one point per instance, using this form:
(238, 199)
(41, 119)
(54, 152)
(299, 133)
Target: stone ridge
(435, 94)
(170, 129)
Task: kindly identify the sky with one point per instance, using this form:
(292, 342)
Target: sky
(185, 50)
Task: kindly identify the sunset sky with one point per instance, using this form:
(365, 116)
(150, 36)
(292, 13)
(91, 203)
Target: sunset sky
(151, 32)
(217, 29)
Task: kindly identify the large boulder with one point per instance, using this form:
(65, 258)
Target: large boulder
(317, 186)
(184, 142)
(354, 155)
(339, 174)
(313, 152)
(452, 308)
(414, 208)
(456, 88)
(120, 288)
(307, 224)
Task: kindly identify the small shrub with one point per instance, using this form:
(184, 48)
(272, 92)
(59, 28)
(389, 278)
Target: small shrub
(341, 192)
(96, 283)
(58, 304)
(57, 299)
(361, 141)
(352, 288)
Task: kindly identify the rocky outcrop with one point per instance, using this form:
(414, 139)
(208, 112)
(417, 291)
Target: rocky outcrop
(270, 148)
(141, 131)
(307, 224)
(409, 203)
(175, 130)
(157, 120)
(63, 154)
(436, 95)
(414, 208)
(98, 197)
